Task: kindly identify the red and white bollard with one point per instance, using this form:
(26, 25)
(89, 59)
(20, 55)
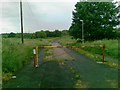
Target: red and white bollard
(35, 52)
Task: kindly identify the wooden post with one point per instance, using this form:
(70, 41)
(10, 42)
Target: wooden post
(37, 56)
(103, 50)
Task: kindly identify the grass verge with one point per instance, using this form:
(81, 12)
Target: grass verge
(93, 50)
(16, 55)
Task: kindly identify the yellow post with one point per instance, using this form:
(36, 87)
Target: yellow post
(36, 56)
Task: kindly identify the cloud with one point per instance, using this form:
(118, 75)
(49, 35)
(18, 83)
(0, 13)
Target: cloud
(37, 16)
(7, 27)
(39, 0)
(10, 9)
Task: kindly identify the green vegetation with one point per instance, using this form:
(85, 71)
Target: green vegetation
(16, 55)
(55, 33)
(93, 49)
(41, 34)
(48, 55)
(38, 34)
(60, 69)
(99, 20)
(111, 46)
(67, 40)
(11, 35)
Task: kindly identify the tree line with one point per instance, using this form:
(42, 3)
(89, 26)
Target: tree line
(38, 34)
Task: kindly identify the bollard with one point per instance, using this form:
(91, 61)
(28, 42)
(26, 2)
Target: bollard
(103, 49)
(34, 52)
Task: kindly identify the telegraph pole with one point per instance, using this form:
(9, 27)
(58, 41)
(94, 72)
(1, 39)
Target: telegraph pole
(21, 21)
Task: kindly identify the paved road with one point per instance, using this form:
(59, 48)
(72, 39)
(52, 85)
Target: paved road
(51, 74)
(93, 75)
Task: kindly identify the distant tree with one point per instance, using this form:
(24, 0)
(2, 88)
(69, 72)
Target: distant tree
(40, 34)
(18, 35)
(57, 33)
(28, 35)
(11, 35)
(5, 35)
(65, 32)
(100, 20)
(49, 34)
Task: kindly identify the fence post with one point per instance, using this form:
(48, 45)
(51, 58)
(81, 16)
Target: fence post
(36, 56)
(103, 50)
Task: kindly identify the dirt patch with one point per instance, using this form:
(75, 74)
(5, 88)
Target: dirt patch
(59, 53)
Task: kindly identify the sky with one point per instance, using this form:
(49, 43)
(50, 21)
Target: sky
(42, 15)
(37, 15)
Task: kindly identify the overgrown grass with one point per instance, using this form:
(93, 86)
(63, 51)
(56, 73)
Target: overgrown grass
(16, 55)
(93, 49)
(111, 46)
(67, 40)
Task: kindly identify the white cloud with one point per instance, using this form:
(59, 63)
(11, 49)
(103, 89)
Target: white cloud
(53, 11)
(39, 0)
(7, 27)
(37, 16)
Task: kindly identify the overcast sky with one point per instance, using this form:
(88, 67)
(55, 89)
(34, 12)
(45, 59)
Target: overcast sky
(47, 15)
(42, 15)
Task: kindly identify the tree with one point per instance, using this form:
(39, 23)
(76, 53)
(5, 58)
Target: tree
(49, 34)
(100, 20)
(57, 33)
(11, 35)
(40, 34)
(64, 32)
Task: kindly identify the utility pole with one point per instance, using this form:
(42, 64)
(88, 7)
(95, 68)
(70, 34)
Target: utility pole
(21, 21)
